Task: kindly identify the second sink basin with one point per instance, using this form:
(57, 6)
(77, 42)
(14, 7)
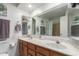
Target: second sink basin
(51, 43)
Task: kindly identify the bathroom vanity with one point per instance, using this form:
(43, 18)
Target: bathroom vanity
(30, 49)
(44, 47)
(37, 47)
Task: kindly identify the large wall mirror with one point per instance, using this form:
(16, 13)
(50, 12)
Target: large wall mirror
(63, 21)
(51, 22)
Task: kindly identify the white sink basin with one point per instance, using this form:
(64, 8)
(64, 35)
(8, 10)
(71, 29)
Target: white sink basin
(59, 46)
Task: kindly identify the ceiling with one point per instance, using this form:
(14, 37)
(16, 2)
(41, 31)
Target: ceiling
(24, 6)
(55, 12)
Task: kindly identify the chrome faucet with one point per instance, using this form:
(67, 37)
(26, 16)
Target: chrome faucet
(29, 36)
(57, 42)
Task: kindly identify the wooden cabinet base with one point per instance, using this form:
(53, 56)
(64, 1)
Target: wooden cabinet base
(54, 53)
(29, 49)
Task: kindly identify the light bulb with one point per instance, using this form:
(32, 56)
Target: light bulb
(29, 5)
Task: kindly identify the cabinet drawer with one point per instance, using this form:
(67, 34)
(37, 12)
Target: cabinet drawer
(42, 51)
(25, 43)
(31, 46)
(31, 52)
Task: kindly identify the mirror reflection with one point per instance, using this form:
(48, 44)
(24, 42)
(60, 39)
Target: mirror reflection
(61, 21)
(51, 22)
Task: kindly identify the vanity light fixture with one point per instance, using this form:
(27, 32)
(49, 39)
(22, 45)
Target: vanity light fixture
(29, 5)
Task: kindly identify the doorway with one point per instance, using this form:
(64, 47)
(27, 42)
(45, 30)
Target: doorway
(56, 29)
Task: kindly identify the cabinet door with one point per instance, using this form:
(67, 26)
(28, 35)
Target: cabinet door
(31, 46)
(24, 43)
(31, 52)
(20, 51)
(42, 51)
(20, 48)
(24, 50)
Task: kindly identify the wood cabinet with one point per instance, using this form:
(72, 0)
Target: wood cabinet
(42, 51)
(31, 52)
(24, 51)
(29, 49)
(55, 53)
(24, 47)
(31, 46)
(20, 48)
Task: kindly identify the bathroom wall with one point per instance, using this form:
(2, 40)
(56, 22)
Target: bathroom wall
(13, 14)
(63, 26)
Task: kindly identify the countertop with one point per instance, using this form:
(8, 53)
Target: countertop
(68, 48)
(4, 54)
